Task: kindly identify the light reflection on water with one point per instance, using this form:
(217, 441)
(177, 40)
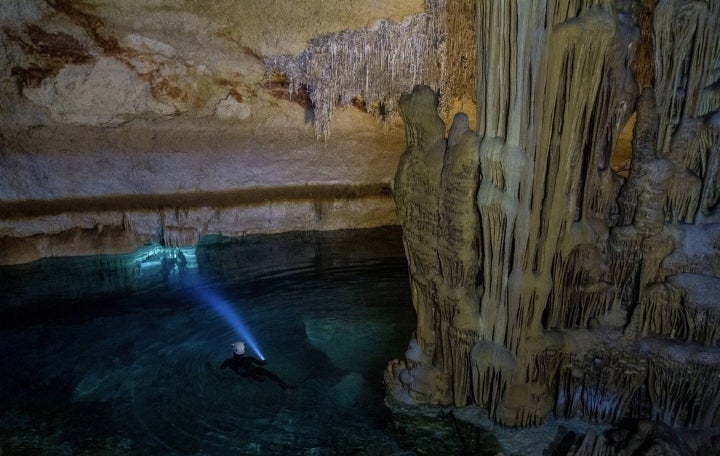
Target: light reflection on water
(115, 355)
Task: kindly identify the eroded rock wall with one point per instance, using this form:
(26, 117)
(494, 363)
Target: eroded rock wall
(593, 295)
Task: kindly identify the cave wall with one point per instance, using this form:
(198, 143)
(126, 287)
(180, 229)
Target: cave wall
(127, 122)
(544, 281)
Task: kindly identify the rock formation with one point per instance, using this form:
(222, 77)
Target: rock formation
(563, 287)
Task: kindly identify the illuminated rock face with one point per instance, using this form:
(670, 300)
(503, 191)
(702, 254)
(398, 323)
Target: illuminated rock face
(562, 287)
(126, 122)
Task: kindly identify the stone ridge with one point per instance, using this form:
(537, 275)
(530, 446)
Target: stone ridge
(188, 200)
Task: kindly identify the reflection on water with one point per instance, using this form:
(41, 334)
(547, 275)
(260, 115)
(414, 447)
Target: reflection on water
(118, 354)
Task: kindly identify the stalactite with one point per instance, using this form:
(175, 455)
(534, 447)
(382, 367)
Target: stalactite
(461, 344)
(613, 107)
(593, 445)
(572, 92)
(562, 376)
(127, 222)
(684, 391)
(600, 385)
(492, 367)
(711, 183)
(504, 168)
(176, 231)
(660, 311)
(560, 11)
(549, 366)
(624, 255)
(577, 114)
(687, 153)
(683, 309)
(687, 148)
(524, 313)
(580, 291)
(684, 32)
(175, 236)
(600, 196)
(375, 66)
(444, 316)
(590, 298)
(654, 251)
(696, 250)
(524, 404)
(508, 67)
(683, 197)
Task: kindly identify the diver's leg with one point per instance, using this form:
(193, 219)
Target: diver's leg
(275, 378)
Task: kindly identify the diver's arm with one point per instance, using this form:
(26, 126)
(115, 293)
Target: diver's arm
(227, 363)
(257, 361)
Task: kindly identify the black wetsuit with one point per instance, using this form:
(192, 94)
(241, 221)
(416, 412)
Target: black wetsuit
(248, 366)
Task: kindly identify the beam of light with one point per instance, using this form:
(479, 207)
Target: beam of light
(226, 310)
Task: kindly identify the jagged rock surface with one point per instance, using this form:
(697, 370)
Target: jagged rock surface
(595, 295)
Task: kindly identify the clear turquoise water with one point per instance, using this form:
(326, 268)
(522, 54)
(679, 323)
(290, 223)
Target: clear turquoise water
(114, 355)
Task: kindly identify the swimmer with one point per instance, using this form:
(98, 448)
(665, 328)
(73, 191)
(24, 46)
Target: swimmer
(249, 366)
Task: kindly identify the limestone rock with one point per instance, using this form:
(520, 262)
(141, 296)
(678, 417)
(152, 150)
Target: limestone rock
(105, 93)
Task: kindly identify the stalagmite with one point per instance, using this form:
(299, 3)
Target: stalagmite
(417, 189)
(458, 250)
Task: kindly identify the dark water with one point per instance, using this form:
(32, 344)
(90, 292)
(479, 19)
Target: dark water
(119, 355)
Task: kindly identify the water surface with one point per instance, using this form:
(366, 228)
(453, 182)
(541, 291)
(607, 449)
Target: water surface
(120, 354)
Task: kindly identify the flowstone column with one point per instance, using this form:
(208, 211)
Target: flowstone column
(565, 287)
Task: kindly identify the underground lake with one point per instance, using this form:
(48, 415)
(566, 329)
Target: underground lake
(120, 354)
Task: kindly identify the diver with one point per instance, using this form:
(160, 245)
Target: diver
(167, 265)
(181, 259)
(248, 366)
